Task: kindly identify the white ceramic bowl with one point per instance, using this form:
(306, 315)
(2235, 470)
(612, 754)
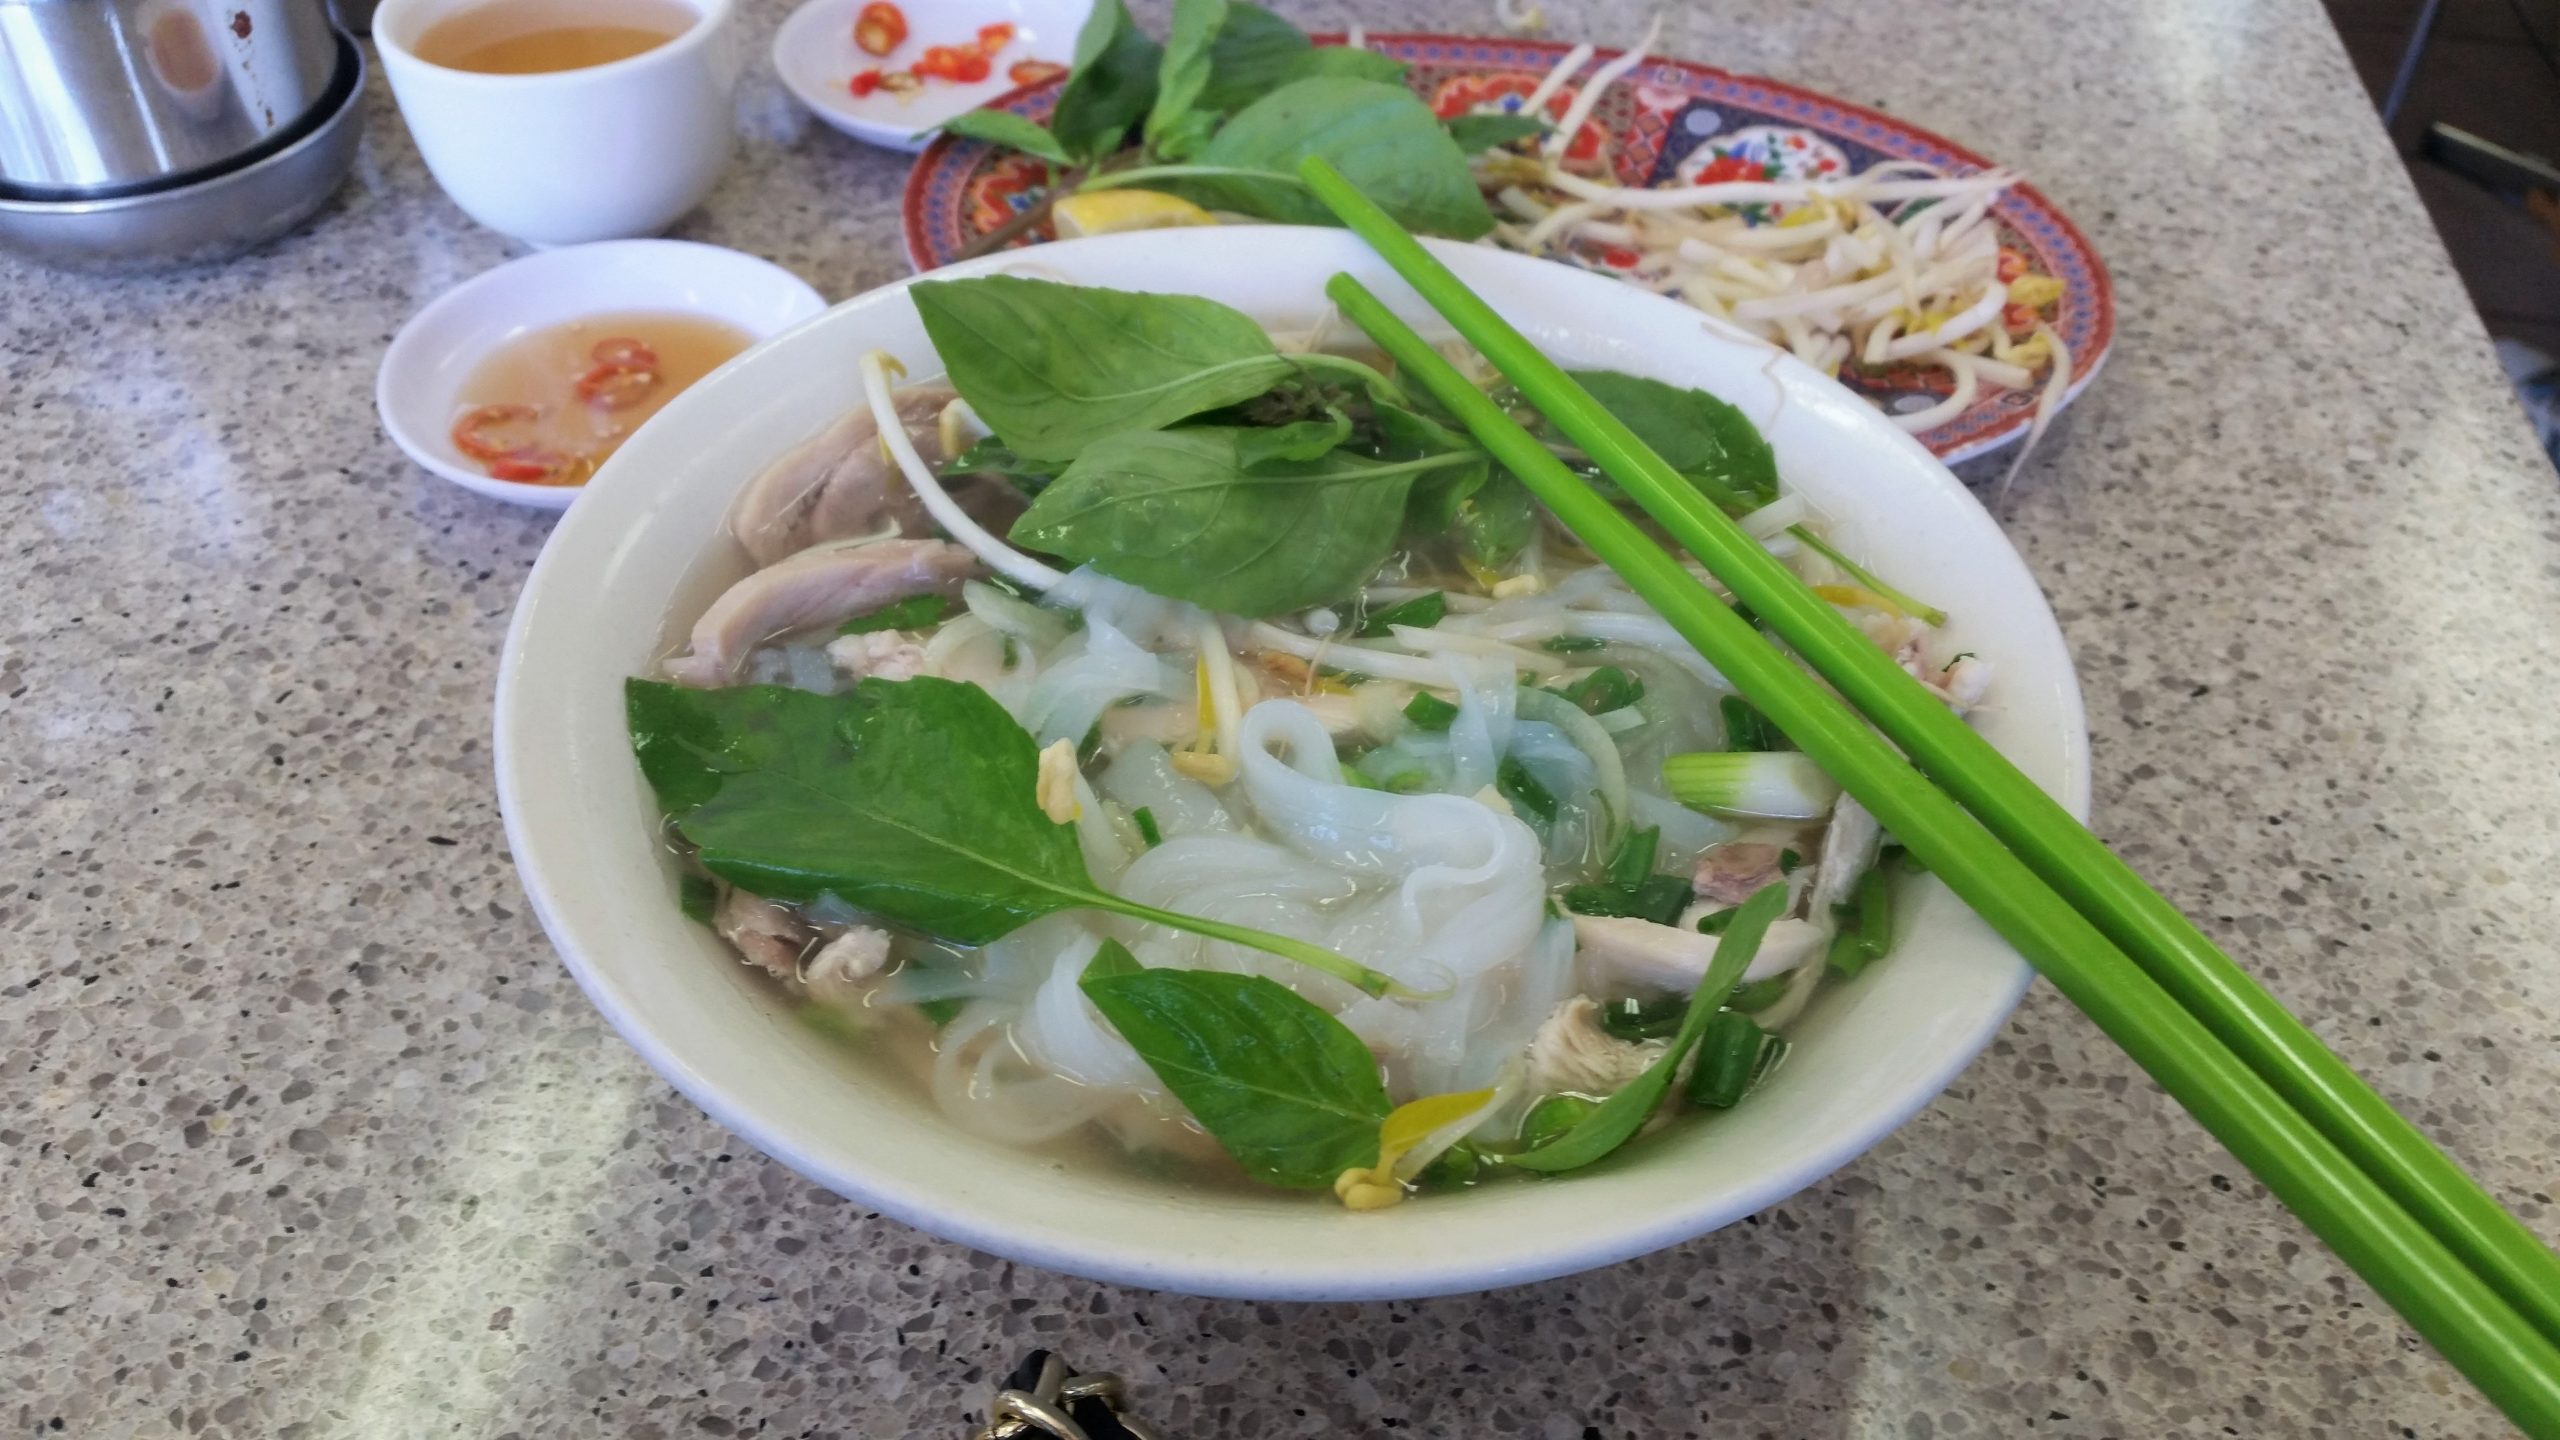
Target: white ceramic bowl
(645, 549)
(420, 384)
(817, 59)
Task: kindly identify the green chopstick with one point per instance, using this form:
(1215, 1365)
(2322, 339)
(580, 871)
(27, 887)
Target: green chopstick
(2443, 1300)
(2058, 848)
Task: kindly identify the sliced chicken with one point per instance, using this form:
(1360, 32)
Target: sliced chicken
(765, 933)
(824, 586)
(1572, 1053)
(840, 484)
(857, 953)
(1620, 954)
(1849, 849)
(1961, 682)
(1732, 873)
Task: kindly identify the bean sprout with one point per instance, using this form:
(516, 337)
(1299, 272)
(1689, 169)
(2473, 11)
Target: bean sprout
(1897, 265)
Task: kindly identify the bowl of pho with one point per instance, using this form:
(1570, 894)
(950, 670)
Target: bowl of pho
(1073, 754)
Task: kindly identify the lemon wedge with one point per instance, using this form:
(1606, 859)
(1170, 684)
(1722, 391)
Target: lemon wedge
(1109, 212)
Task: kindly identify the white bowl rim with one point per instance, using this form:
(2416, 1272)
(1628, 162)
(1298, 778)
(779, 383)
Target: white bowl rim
(398, 356)
(1117, 1258)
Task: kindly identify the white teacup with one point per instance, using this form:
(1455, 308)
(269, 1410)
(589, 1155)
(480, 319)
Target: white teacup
(561, 158)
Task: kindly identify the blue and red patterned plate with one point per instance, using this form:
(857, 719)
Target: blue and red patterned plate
(1668, 121)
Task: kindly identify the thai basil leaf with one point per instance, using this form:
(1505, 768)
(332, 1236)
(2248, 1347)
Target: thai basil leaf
(1476, 134)
(1184, 71)
(1298, 440)
(1113, 84)
(911, 799)
(1345, 61)
(1287, 1089)
(1701, 436)
(1495, 522)
(1250, 57)
(1003, 127)
(698, 896)
(1110, 961)
(1405, 434)
(1378, 135)
(1623, 1114)
(1052, 368)
(991, 456)
(1178, 513)
(1183, 138)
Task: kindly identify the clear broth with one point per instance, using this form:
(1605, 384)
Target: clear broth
(539, 37)
(543, 373)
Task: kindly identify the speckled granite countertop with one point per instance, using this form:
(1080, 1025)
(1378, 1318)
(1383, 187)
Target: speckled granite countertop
(303, 1132)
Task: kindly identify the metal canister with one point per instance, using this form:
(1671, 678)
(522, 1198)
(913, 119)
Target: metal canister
(109, 97)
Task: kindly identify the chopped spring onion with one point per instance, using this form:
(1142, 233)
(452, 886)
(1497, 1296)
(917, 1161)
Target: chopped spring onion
(1866, 925)
(1765, 785)
(1746, 729)
(1429, 712)
(1633, 859)
(1551, 1117)
(1148, 830)
(1658, 898)
(1633, 1019)
(1603, 690)
(1733, 1056)
(1422, 612)
(1608, 768)
(1714, 921)
(1758, 994)
(1513, 780)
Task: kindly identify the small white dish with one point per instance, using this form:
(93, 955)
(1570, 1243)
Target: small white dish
(420, 384)
(817, 59)
(648, 548)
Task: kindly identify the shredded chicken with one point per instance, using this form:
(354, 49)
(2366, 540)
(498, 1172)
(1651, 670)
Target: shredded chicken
(823, 586)
(837, 484)
(764, 932)
(877, 654)
(1849, 849)
(1621, 954)
(1572, 1053)
(857, 954)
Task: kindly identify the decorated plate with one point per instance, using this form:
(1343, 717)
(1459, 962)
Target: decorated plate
(1666, 122)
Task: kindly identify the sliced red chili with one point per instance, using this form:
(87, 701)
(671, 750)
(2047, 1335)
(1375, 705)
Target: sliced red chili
(940, 62)
(864, 83)
(1032, 72)
(469, 439)
(617, 387)
(973, 67)
(532, 468)
(625, 351)
(992, 38)
(880, 28)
